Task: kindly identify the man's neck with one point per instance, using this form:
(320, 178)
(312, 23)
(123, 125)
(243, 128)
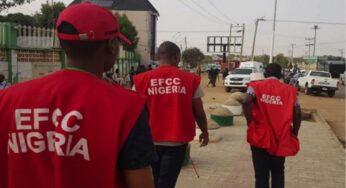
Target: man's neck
(89, 67)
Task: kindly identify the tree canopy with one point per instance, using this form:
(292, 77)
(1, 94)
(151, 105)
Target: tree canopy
(46, 17)
(18, 18)
(5, 4)
(48, 14)
(129, 30)
(282, 60)
(263, 59)
(193, 57)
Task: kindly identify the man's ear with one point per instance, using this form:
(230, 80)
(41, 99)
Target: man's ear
(113, 47)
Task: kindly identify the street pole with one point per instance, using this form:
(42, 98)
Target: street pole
(242, 43)
(185, 43)
(309, 44)
(273, 38)
(292, 45)
(254, 38)
(315, 28)
(342, 52)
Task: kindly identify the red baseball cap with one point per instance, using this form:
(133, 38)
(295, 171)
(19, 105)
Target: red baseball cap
(93, 23)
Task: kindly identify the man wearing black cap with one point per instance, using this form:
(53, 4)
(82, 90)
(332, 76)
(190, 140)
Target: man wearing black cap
(273, 117)
(71, 129)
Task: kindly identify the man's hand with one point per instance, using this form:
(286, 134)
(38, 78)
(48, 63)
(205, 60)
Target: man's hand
(204, 139)
(201, 120)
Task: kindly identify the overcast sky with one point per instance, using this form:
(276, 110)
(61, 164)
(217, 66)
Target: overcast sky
(179, 17)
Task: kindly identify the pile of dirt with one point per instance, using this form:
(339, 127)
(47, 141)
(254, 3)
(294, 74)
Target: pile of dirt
(221, 112)
(232, 102)
(239, 96)
(212, 125)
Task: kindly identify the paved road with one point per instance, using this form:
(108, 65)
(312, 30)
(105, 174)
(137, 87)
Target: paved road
(320, 163)
(332, 109)
(227, 164)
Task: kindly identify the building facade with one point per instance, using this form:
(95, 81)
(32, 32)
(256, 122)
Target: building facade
(143, 16)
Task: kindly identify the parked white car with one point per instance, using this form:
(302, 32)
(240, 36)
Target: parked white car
(318, 82)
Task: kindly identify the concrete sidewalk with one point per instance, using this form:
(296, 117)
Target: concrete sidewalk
(227, 164)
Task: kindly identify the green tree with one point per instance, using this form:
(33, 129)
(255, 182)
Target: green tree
(18, 18)
(207, 59)
(130, 32)
(262, 58)
(48, 14)
(282, 60)
(5, 4)
(193, 57)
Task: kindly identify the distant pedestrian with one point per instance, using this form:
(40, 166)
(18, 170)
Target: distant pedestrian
(3, 83)
(132, 73)
(175, 105)
(212, 75)
(198, 70)
(273, 116)
(150, 67)
(225, 73)
(140, 69)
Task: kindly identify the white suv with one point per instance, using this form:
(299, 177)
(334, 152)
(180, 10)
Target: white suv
(238, 79)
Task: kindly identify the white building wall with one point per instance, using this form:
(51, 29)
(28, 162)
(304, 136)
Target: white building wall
(141, 20)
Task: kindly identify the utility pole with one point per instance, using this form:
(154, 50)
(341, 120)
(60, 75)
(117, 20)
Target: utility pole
(341, 52)
(242, 42)
(292, 49)
(273, 37)
(185, 43)
(254, 38)
(315, 28)
(309, 44)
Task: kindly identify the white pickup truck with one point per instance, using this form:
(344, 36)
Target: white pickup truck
(241, 77)
(318, 82)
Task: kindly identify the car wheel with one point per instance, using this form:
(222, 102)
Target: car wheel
(331, 93)
(228, 89)
(307, 91)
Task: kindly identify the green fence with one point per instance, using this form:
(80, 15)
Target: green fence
(15, 37)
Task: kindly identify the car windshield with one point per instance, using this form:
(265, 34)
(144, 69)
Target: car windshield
(242, 71)
(320, 74)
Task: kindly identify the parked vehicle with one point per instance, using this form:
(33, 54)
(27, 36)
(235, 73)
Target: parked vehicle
(288, 77)
(342, 78)
(240, 78)
(294, 80)
(335, 67)
(318, 82)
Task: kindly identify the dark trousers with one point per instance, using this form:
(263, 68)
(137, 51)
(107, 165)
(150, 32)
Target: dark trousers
(264, 165)
(167, 168)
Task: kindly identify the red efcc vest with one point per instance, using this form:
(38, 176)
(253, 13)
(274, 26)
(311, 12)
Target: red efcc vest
(169, 92)
(64, 130)
(271, 127)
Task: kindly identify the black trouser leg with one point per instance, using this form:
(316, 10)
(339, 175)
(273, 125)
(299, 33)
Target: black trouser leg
(260, 159)
(277, 169)
(166, 170)
(265, 163)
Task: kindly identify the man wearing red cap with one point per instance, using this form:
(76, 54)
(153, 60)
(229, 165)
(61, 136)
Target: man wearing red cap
(71, 129)
(174, 102)
(273, 117)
